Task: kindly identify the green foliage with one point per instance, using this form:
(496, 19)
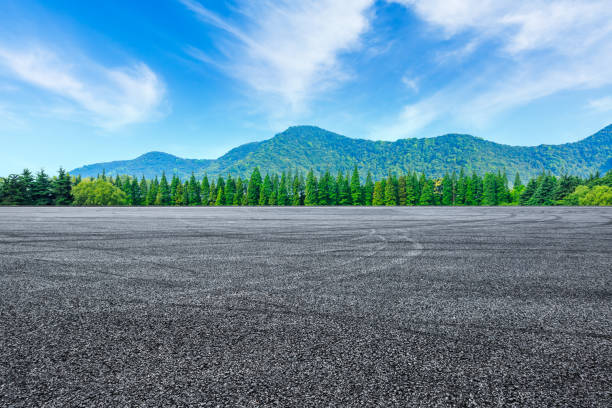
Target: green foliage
(291, 189)
(98, 192)
(598, 195)
(253, 192)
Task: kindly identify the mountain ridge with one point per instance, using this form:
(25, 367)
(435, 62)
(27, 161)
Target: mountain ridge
(305, 147)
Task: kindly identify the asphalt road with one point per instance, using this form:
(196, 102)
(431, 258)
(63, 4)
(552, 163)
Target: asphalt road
(306, 307)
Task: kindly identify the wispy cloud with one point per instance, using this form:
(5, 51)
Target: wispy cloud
(107, 97)
(601, 104)
(537, 48)
(289, 48)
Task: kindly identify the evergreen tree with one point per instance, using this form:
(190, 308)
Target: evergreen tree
(344, 189)
(477, 188)
(378, 197)
(193, 191)
(323, 188)
(356, 193)
(502, 194)
(42, 193)
(368, 190)
(283, 197)
(401, 190)
(411, 189)
(133, 195)
(447, 190)
(517, 181)
(144, 190)
(544, 194)
(390, 192)
(204, 192)
(13, 190)
(427, 193)
(565, 186)
(174, 199)
(253, 190)
(489, 193)
(239, 194)
(212, 195)
(311, 197)
(152, 194)
(531, 187)
(297, 193)
(265, 190)
(230, 190)
(220, 200)
(62, 188)
(163, 191)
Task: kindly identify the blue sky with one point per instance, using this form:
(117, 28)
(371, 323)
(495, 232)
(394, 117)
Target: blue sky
(84, 82)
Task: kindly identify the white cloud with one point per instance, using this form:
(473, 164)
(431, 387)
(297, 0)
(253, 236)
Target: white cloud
(290, 48)
(538, 48)
(106, 97)
(411, 83)
(602, 104)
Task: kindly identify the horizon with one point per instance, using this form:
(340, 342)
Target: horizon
(83, 83)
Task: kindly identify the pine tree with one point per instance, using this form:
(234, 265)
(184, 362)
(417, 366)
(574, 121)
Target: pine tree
(180, 195)
(411, 189)
(239, 194)
(297, 192)
(62, 188)
(311, 197)
(502, 194)
(478, 188)
(531, 187)
(401, 190)
(193, 191)
(517, 181)
(469, 192)
(42, 193)
(323, 189)
(489, 193)
(378, 197)
(134, 197)
(144, 191)
(173, 187)
(544, 194)
(447, 190)
(368, 190)
(163, 191)
(283, 197)
(253, 190)
(344, 189)
(356, 193)
(220, 200)
(204, 192)
(390, 192)
(265, 190)
(152, 194)
(212, 195)
(427, 193)
(230, 190)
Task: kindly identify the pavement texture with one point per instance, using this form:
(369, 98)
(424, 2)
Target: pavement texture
(306, 307)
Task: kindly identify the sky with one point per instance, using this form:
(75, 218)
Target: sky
(92, 81)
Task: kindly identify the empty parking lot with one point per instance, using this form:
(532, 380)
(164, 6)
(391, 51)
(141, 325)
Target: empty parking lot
(305, 306)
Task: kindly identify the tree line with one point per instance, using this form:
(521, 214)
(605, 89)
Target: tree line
(296, 189)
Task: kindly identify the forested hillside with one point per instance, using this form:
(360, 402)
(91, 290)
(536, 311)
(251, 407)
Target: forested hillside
(305, 147)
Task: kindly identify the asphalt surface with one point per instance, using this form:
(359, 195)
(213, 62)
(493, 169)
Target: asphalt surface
(305, 307)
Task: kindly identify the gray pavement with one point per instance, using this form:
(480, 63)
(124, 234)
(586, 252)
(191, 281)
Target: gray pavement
(305, 307)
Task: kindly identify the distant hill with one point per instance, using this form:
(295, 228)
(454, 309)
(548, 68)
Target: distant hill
(305, 147)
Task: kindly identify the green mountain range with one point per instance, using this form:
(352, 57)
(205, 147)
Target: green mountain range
(306, 147)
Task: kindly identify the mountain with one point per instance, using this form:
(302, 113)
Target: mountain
(306, 147)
